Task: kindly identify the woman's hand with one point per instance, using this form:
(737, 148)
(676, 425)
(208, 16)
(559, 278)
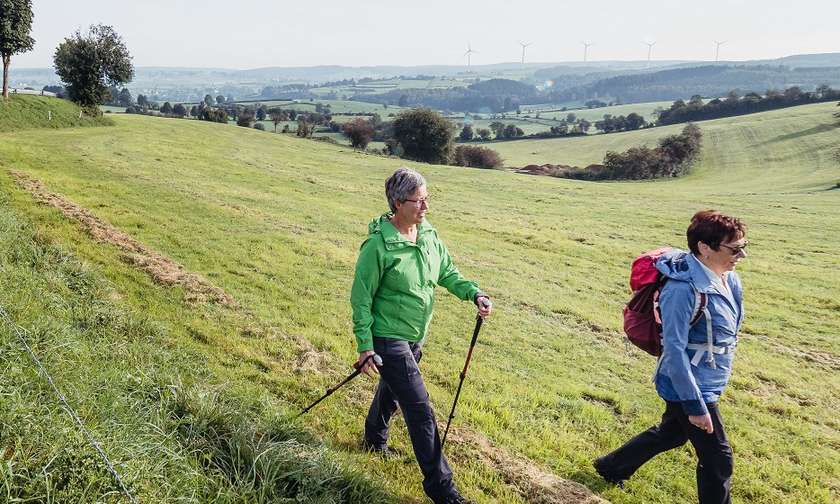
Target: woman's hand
(702, 422)
(485, 307)
(369, 367)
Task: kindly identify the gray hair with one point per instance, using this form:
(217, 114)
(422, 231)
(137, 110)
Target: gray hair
(401, 185)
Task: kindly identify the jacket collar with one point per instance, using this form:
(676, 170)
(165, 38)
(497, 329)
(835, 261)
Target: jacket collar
(391, 235)
(702, 279)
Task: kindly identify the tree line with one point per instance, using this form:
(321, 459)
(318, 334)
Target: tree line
(420, 135)
(705, 80)
(733, 104)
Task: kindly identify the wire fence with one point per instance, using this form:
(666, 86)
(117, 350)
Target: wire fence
(30, 91)
(21, 334)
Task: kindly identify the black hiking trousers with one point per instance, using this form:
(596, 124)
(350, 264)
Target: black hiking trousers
(400, 384)
(714, 465)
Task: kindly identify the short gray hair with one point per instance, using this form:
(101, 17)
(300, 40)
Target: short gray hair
(401, 185)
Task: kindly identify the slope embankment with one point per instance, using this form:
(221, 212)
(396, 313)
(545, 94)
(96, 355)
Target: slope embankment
(21, 112)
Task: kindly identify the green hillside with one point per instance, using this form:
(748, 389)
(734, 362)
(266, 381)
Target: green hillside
(276, 223)
(31, 111)
(793, 146)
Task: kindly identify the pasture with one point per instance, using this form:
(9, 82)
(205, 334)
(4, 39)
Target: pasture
(276, 223)
(783, 135)
(646, 110)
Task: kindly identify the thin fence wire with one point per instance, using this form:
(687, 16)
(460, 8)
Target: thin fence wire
(21, 334)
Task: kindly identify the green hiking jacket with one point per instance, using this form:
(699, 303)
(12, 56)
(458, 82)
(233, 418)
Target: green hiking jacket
(393, 291)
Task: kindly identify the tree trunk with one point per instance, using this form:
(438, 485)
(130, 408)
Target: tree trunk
(6, 60)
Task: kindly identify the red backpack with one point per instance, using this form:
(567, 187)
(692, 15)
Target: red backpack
(642, 319)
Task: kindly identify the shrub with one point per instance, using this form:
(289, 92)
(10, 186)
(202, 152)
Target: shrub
(672, 157)
(259, 126)
(359, 131)
(476, 157)
(245, 120)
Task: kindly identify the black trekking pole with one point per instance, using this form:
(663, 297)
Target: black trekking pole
(478, 321)
(377, 361)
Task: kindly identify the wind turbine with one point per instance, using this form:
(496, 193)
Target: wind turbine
(586, 49)
(468, 53)
(650, 50)
(524, 45)
(717, 49)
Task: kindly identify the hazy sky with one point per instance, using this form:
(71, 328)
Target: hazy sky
(259, 33)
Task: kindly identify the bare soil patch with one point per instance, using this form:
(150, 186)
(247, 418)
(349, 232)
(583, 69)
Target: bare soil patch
(162, 269)
(533, 483)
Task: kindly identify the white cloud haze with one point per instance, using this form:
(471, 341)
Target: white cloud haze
(261, 33)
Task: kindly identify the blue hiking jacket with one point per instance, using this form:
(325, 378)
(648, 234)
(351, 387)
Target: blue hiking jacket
(690, 370)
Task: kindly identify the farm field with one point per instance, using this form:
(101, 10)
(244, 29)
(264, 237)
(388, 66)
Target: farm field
(276, 222)
(336, 106)
(385, 85)
(646, 110)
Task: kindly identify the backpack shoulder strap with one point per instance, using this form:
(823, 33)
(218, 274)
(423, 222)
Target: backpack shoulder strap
(700, 302)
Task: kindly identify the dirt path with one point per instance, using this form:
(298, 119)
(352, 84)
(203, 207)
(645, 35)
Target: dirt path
(162, 269)
(533, 483)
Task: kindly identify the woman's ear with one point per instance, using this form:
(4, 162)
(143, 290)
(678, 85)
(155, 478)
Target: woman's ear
(704, 249)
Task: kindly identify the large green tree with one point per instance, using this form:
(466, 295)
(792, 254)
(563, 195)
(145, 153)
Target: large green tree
(15, 25)
(424, 135)
(89, 63)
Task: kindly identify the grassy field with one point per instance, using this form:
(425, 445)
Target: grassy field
(646, 110)
(276, 222)
(336, 106)
(385, 85)
(730, 141)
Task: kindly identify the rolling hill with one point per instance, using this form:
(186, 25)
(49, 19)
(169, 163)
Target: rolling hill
(163, 372)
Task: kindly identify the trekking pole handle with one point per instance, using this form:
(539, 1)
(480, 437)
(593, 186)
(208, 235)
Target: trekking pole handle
(377, 361)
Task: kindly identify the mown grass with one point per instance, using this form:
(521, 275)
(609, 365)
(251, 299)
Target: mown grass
(175, 429)
(19, 112)
(276, 221)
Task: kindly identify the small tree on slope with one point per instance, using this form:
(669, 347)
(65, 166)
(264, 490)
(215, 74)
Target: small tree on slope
(15, 25)
(89, 63)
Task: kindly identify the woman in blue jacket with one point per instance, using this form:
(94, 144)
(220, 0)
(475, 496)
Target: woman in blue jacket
(696, 360)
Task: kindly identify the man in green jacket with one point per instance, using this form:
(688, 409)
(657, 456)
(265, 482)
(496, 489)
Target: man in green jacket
(399, 265)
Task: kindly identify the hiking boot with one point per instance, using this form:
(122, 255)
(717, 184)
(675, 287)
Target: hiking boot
(385, 452)
(599, 465)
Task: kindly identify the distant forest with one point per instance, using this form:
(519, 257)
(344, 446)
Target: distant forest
(502, 95)
(490, 96)
(709, 80)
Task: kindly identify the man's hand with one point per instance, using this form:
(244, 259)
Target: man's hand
(702, 422)
(369, 367)
(485, 307)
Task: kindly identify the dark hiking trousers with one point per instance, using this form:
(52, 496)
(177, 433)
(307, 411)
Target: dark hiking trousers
(714, 465)
(400, 384)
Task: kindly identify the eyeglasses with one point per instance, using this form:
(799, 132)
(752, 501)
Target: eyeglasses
(421, 201)
(736, 250)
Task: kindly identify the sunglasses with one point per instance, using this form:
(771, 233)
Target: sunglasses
(736, 250)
